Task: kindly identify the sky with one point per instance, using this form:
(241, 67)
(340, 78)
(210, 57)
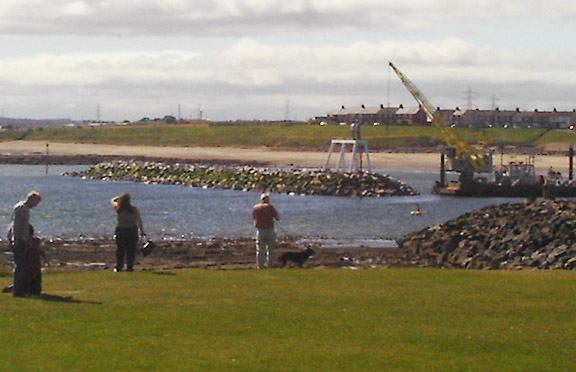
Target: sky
(117, 60)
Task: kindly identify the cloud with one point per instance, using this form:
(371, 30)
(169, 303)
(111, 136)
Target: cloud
(245, 58)
(253, 79)
(252, 17)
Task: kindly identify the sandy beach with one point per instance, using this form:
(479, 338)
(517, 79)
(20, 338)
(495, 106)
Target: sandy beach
(379, 160)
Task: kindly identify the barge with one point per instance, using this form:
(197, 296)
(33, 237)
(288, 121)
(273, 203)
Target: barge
(513, 180)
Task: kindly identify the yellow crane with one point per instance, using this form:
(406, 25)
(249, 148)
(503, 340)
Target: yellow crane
(463, 158)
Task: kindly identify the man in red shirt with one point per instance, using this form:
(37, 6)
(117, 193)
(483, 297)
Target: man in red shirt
(264, 215)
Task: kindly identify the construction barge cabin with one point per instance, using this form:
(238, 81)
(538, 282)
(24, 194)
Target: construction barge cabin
(476, 174)
(511, 180)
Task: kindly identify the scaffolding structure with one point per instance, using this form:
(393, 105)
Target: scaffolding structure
(359, 147)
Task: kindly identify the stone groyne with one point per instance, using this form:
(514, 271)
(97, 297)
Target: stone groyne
(293, 181)
(538, 235)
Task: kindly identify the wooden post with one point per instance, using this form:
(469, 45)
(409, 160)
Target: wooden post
(571, 162)
(47, 160)
(442, 170)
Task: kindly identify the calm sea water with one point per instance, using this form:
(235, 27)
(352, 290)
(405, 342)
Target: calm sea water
(76, 208)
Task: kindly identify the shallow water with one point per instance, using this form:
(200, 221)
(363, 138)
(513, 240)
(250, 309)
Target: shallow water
(77, 208)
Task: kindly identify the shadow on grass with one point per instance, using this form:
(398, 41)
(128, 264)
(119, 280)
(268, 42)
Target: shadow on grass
(164, 273)
(68, 299)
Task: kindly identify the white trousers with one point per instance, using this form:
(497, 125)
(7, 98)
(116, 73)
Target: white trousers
(266, 248)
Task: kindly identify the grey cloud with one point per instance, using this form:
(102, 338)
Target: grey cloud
(198, 18)
(249, 79)
(202, 18)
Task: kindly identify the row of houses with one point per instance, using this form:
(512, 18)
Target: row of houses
(416, 116)
(380, 115)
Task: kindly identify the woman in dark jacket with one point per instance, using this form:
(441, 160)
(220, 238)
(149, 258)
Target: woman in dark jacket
(129, 221)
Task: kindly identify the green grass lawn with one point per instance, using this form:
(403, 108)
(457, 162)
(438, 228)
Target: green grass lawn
(294, 320)
(283, 136)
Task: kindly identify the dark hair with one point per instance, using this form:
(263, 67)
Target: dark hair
(124, 203)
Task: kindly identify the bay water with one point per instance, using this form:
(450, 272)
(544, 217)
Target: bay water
(75, 208)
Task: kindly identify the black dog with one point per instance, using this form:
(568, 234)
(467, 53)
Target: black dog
(296, 257)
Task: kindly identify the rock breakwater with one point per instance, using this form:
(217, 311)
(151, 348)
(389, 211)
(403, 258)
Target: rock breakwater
(293, 181)
(539, 235)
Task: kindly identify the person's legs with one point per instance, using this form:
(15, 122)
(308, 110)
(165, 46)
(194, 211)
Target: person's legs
(131, 255)
(271, 249)
(260, 250)
(266, 248)
(19, 289)
(120, 250)
(132, 244)
(126, 241)
(35, 284)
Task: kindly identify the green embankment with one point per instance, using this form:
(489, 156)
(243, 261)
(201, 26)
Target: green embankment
(295, 136)
(294, 320)
(283, 136)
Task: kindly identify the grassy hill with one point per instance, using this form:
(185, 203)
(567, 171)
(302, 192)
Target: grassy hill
(294, 320)
(284, 136)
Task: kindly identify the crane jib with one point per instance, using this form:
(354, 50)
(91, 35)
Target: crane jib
(466, 153)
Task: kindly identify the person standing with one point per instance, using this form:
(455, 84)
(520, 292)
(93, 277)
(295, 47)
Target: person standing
(35, 259)
(126, 233)
(20, 237)
(264, 215)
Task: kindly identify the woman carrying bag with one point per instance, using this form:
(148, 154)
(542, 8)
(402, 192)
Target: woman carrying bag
(129, 222)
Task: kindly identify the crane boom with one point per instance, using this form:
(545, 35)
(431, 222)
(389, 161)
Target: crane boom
(467, 158)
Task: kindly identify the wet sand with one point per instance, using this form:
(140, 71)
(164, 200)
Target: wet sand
(215, 254)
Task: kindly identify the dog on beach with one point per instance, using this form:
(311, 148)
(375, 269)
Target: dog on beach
(297, 258)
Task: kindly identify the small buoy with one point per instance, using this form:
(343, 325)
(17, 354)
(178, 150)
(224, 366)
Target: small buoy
(417, 212)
